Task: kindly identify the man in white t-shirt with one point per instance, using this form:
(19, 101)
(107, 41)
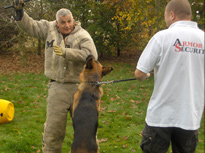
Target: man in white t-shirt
(177, 56)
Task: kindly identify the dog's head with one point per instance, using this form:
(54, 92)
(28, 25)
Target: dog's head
(93, 70)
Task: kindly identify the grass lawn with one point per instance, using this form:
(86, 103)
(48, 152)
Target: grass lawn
(121, 119)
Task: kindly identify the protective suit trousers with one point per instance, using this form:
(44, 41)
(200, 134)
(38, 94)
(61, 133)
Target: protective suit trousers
(59, 103)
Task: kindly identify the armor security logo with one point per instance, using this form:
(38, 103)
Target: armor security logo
(191, 47)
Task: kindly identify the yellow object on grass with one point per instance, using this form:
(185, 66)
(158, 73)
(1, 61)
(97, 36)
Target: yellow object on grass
(6, 111)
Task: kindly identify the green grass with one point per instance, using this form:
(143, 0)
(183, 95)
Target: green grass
(121, 119)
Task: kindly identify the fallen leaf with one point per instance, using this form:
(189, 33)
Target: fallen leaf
(132, 101)
(103, 140)
(111, 111)
(126, 117)
(102, 101)
(33, 147)
(105, 122)
(117, 97)
(125, 138)
(7, 88)
(124, 146)
(102, 109)
(112, 99)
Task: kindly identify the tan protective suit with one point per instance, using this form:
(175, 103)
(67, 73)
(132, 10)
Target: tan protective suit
(63, 71)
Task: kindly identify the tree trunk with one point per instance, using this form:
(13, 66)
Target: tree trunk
(23, 54)
(39, 47)
(118, 40)
(156, 12)
(118, 52)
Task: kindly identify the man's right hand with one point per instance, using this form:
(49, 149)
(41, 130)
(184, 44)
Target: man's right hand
(18, 6)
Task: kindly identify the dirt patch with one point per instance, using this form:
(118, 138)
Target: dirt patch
(13, 64)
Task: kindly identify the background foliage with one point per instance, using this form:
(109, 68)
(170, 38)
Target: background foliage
(115, 25)
(118, 27)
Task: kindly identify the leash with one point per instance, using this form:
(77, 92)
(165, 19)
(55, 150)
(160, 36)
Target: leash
(97, 83)
(11, 6)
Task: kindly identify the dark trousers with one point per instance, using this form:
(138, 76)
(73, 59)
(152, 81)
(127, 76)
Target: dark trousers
(158, 139)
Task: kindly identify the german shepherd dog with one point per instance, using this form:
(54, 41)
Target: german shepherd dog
(86, 106)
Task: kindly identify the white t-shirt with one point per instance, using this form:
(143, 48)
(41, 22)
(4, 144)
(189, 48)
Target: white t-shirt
(177, 57)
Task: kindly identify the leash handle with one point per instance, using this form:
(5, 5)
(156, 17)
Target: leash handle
(10, 6)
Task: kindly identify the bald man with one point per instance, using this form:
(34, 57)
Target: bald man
(175, 109)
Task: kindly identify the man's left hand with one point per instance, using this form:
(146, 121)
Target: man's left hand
(58, 50)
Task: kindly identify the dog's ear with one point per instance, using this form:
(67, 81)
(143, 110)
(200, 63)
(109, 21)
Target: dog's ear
(106, 70)
(89, 62)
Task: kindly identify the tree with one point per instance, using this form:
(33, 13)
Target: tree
(115, 25)
(8, 30)
(198, 13)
